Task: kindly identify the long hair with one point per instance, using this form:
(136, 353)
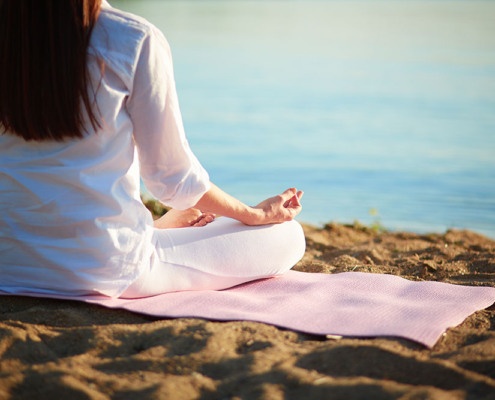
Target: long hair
(43, 68)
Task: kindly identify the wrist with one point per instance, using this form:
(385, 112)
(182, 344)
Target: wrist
(254, 216)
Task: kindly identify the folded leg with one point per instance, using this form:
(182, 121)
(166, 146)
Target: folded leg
(222, 254)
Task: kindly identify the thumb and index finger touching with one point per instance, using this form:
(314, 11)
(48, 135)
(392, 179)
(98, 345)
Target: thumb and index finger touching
(292, 199)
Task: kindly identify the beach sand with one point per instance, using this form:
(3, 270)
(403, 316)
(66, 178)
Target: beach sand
(55, 349)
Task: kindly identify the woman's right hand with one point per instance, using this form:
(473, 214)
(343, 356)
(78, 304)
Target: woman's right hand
(278, 209)
(183, 219)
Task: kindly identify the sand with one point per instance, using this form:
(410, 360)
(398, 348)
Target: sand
(55, 349)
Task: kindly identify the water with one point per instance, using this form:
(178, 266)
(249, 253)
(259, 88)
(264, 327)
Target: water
(362, 104)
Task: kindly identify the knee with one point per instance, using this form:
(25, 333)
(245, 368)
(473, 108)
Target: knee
(294, 242)
(287, 246)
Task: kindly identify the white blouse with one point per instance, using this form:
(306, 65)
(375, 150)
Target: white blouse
(71, 218)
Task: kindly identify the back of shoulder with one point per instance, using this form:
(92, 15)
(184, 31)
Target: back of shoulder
(117, 19)
(117, 38)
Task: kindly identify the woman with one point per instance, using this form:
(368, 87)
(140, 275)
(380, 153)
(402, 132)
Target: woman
(87, 105)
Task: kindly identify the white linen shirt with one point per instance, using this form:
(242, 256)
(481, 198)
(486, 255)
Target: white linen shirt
(71, 218)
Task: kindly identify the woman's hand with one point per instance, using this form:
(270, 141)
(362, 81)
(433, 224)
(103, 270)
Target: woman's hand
(183, 219)
(278, 209)
(274, 210)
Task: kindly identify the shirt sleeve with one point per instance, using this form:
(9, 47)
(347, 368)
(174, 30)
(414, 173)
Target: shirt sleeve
(169, 169)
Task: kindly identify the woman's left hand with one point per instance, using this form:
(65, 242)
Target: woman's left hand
(192, 217)
(278, 209)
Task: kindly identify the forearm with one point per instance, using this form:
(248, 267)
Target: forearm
(218, 202)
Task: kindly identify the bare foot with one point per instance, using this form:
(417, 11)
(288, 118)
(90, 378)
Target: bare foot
(183, 219)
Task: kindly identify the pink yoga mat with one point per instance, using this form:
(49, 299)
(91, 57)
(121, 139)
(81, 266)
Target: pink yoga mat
(347, 304)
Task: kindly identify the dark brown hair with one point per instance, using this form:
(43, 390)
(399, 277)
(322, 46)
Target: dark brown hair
(43, 69)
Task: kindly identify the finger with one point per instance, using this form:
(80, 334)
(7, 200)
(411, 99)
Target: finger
(209, 219)
(287, 195)
(292, 212)
(195, 221)
(200, 223)
(294, 202)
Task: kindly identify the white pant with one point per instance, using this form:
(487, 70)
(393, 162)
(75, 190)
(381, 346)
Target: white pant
(220, 255)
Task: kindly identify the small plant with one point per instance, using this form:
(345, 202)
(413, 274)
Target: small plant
(373, 212)
(359, 226)
(376, 226)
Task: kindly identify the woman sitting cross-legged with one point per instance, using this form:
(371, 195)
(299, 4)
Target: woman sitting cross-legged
(88, 105)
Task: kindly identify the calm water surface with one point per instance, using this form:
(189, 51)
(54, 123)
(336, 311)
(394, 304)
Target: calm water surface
(362, 104)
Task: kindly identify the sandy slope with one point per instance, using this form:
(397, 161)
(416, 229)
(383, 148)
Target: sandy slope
(69, 350)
